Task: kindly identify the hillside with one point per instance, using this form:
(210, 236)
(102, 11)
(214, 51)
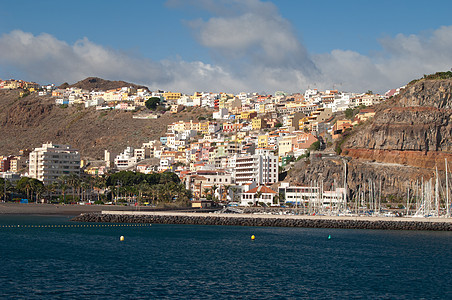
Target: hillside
(31, 121)
(95, 83)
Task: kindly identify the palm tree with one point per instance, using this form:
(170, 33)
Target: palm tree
(100, 183)
(85, 187)
(226, 189)
(213, 188)
(5, 187)
(258, 196)
(51, 188)
(38, 188)
(206, 191)
(62, 183)
(74, 182)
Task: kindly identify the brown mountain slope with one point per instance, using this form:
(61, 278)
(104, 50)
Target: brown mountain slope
(95, 83)
(33, 120)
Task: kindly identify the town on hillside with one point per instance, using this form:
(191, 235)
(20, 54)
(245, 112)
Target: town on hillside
(235, 156)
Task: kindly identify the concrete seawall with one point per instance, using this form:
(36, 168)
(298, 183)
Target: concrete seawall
(437, 224)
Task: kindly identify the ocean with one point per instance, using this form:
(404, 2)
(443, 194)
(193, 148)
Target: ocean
(220, 262)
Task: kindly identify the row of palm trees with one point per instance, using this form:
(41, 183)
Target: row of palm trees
(73, 188)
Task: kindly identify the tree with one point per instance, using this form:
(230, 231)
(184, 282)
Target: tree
(73, 181)
(349, 113)
(5, 187)
(51, 188)
(30, 187)
(314, 146)
(213, 189)
(62, 183)
(152, 103)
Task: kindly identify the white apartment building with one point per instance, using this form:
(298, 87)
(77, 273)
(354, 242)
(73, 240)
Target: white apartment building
(259, 168)
(126, 159)
(304, 196)
(52, 161)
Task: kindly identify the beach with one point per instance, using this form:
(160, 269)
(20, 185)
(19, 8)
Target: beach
(56, 209)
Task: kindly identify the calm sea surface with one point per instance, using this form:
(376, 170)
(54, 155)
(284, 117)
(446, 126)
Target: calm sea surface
(205, 262)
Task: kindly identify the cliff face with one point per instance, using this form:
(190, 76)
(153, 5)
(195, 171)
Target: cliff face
(393, 178)
(409, 137)
(415, 128)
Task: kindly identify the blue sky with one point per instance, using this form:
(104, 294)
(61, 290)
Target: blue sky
(231, 46)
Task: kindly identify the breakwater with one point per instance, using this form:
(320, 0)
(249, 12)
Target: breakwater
(268, 220)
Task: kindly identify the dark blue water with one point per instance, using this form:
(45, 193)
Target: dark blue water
(205, 262)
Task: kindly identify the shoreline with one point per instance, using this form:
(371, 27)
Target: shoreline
(266, 220)
(57, 209)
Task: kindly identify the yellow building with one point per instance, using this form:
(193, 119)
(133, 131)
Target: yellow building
(11, 84)
(262, 141)
(172, 96)
(192, 125)
(245, 115)
(258, 123)
(179, 126)
(196, 95)
(204, 127)
(285, 145)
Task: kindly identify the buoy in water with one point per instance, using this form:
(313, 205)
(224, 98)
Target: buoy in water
(253, 237)
(121, 238)
(329, 237)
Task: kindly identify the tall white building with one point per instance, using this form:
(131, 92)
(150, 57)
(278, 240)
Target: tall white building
(52, 161)
(261, 168)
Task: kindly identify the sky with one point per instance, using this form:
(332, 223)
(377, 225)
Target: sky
(227, 46)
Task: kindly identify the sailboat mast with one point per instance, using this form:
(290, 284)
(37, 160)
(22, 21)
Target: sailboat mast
(447, 193)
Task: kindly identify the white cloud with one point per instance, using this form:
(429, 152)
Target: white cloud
(254, 49)
(48, 59)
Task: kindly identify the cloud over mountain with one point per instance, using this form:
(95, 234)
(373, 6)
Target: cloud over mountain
(253, 48)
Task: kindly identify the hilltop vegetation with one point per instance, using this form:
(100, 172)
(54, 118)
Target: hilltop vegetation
(436, 76)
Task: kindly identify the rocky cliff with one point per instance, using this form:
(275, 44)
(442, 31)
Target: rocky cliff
(414, 128)
(409, 137)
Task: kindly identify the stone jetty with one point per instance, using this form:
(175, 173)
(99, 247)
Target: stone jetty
(344, 222)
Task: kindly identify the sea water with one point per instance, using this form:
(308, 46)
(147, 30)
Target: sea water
(51, 260)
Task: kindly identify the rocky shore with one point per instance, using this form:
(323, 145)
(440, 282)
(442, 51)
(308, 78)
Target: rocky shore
(268, 220)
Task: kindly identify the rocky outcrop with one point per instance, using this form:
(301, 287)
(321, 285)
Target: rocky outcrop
(407, 140)
(418, 120)
(394, 179)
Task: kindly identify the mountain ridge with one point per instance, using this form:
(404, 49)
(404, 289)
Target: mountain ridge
(96, 84)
